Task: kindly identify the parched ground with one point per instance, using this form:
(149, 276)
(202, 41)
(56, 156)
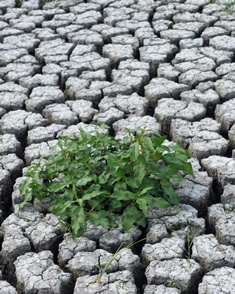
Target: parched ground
(163, 65)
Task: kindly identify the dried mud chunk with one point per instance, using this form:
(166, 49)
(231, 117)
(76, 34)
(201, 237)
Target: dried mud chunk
(152, 289)
(168, 109)
(175, 35)
(37, 272)
(228, 196)
(19, 121)
(120, 106)
(60, 114)
(207, 251)
(9, 144)
(225, 114)
(85, 263)
(157, 54)
(209, 98)
(226, 43)
(221, 169)
(168, 248)
(38, 150)
(193, 77)
(123, 126)
(119, 282)
(202, 137)
(15, 242)
(191, 43)
(12, 163)
(117, 53)
(225, 89)
(69, 247)
(159, 88)
(42, 134)
(225, 231)
(115, 238)
(7, 288)
(220, 280)
(40, 97)
(180, 273)
(83, 109)
(53, 48)
(196, 190)
(44, 234)
(174, 219)
(39, 80)
(167, 71)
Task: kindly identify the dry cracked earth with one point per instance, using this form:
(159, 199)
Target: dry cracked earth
(163, 65)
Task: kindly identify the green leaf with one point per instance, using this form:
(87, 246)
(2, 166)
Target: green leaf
(167, 187)
(56, 186)
(24, 186)
(134, 151)
(143, 205)
(78, 221)
(120, 186)
(84, 181)
(139, 169)
(141, 220)
(95, 204)
(145, 190)
(115, 205)
(68, 194)
(157, 141)
(149, 144)
(169, 193)
(100, 218)
(123, 195)
(95, 193)
(113, 165)
(155, 201)
(61, 208)
(131, 182)
(188, 169)
(38, 191)
(160, 202)
(129, 217)
(103, 178)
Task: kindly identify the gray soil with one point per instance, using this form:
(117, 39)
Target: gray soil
(164, 65)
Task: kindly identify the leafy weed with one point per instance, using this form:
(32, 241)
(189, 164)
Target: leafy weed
(97, 177)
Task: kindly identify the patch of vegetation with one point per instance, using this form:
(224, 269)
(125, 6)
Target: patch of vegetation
(97, 177)
(229, 7)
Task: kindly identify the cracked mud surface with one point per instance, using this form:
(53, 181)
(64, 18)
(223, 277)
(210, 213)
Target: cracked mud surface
(164, 65)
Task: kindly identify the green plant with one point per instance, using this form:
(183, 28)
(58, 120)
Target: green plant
(229, 6)
(96, 177)
(228, 209)
(189, 241)
(102, 270)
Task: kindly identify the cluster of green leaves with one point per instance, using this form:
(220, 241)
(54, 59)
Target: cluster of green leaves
(97, 177)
